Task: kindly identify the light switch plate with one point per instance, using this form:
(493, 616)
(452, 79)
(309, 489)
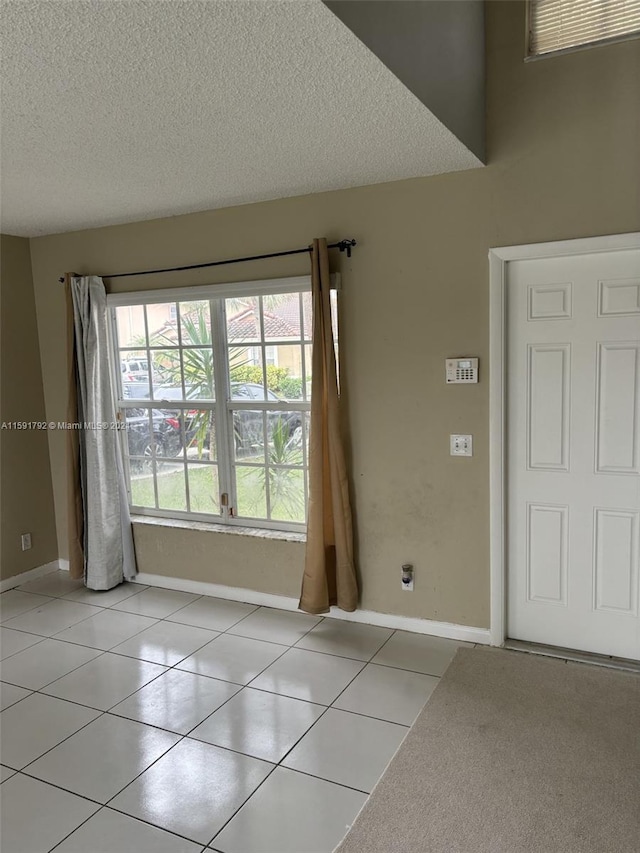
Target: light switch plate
(461, 445)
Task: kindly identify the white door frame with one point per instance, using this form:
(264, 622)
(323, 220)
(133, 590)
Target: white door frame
(498, 260)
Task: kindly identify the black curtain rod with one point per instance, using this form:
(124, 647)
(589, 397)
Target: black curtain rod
(343, 245)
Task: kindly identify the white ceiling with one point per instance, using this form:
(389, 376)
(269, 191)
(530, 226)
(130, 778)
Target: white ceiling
(120, 111)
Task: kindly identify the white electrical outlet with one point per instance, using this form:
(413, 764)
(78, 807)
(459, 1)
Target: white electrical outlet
(26, 541)
(407, 577)
(461, 445)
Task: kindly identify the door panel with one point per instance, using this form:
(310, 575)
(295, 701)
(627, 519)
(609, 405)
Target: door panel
(573, 452)
(549, 407)
(617, 407)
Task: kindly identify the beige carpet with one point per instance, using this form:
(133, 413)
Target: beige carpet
(513, 754)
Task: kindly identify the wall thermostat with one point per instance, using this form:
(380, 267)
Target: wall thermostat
(461, 370)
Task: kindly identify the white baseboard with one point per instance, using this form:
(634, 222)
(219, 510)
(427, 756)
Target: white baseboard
(464, 633)
(31, 575)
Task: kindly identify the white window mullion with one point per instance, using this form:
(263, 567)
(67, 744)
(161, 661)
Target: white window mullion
(116, 391)
(262, 347)
(181, 416)
(267, 488)
(305, 464)
(224, 441)
(303, 349)
(154, 468)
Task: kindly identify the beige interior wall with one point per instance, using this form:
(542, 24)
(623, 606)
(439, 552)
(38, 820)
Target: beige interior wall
(223, 558)
(563, 142)
(26, 496)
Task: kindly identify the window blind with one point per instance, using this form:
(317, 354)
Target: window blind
(563, 24)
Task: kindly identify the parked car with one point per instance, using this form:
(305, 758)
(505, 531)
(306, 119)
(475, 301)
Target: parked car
(247, 424)
(136, 384)
(135, 370)
(163, 435)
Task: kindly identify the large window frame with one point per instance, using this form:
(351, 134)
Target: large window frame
(223, 407)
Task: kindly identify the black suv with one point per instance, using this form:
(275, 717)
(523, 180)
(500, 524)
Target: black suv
(247, 424)
(164, 434)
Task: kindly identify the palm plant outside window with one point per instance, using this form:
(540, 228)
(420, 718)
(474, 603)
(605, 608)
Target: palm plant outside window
(217, 427)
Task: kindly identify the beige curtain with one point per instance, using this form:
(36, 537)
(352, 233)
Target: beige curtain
(75, 514)
(329, 573)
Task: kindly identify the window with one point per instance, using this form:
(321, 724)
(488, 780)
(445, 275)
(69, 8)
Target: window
(560, 25)
(218, 419)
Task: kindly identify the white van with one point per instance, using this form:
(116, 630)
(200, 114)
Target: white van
(135, 370)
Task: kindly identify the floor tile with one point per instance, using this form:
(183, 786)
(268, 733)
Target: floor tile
(5, 773)
(36, 725)
(347, 639)
(52, 617)
(291, 813)
(177, 701)
(40, 665)
(13, 603)
(10, 694)
(277, 626)
(105, 598)
(347, 748)
(418, 652)
(112, 832)
(12, 642)
(234, 659)
(107, 629)
(193, 790)
(390, 694)
(36, 817)
(260, 724)
(102, 758)
(213, 613)
(166, 642)
(308, 675)
(55, 584)
(105, 681)
(158, 603)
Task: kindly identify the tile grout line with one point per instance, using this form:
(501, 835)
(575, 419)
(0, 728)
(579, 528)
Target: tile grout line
(4, 624)
(54, 680)
(100, 807)
(47, 751)
(62, 840)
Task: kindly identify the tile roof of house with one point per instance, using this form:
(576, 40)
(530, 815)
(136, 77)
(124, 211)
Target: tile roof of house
(281, 321)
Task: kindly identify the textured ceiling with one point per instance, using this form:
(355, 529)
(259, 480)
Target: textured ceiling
(120, 111)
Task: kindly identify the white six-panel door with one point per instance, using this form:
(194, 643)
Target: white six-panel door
(573, 452)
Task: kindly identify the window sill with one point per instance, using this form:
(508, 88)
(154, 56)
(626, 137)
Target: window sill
(212, 527)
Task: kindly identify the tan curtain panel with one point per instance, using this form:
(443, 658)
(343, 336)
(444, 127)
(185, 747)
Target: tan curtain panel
(75, 514)
(329, 573)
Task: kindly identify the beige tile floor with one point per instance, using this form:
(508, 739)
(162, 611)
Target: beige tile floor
(141, 720)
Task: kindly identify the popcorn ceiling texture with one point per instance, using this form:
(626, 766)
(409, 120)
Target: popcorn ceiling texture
(120, 111)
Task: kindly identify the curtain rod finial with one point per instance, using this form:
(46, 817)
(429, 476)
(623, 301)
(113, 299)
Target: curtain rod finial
(346, 246)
